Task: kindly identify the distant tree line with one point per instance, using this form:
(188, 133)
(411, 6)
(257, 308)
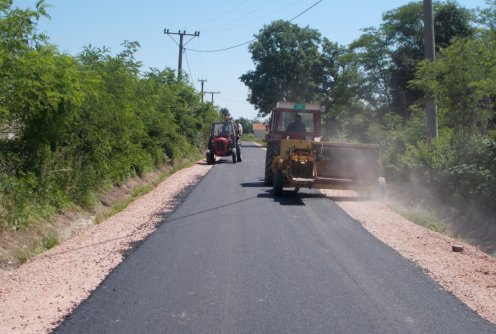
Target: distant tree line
(374, 89)
(72, 125)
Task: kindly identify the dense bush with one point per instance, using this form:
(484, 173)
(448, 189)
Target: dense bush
(81, 123)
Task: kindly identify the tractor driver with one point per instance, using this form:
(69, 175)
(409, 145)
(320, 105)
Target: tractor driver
(297, 125)
(225, 130)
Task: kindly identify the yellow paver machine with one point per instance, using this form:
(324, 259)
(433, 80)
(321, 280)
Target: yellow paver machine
(298, 156)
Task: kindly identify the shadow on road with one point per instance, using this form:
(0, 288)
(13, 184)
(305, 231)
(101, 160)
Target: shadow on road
(167, 220)
(346, 198)
(251, 146)
(287, 198)
(258, 184)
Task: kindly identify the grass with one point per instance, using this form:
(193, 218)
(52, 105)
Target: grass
(46, 241)
(140, 191)
(420, 216)
(251, 137)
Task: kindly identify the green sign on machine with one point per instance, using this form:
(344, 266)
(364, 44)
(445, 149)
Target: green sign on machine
(299, 106)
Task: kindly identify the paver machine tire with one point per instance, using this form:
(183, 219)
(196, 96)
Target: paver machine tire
(277, 183)
(272, 152)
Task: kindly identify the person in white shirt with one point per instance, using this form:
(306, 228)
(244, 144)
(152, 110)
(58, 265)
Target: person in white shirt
(239, 127)
(239, 131)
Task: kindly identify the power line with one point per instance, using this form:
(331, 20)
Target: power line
(240, 21)
(189, 69)
(225, 49)
(241, 44)
(306, 10)
(223, 14)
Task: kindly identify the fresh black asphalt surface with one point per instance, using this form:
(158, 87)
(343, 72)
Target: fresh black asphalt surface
(234, 259)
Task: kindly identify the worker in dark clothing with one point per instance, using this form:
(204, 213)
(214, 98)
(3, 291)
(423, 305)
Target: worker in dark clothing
(297, 125)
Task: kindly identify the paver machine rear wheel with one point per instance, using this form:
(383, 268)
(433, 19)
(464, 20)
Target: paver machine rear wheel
(272, 152)
(210, 158)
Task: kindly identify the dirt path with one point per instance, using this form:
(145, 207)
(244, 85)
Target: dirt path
(35, 297)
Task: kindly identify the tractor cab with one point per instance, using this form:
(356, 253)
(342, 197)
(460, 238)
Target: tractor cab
(294, 122)
(222, 129)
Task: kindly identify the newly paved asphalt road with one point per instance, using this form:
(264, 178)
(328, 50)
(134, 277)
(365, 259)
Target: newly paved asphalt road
(233, 259)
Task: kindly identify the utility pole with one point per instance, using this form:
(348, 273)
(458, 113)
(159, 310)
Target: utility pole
(212, 95)
(430, 54)
(202, 82)
(181, 47)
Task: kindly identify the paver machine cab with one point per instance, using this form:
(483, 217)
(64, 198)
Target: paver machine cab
(297, 156)
(223, 142)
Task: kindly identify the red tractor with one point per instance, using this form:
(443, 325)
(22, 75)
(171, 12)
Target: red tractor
(223, 142)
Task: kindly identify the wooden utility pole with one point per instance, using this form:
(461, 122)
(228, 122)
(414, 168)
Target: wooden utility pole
(212, 93)
(181, 47)
(202, 82)
(430, 54)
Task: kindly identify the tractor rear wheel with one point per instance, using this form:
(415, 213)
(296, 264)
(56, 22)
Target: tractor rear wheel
(277, 187)
(233, 155)
(210, 158)
(238, 154)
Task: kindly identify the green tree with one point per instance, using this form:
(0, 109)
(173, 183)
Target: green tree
(488, 16)
(373, 57)
(403, 33)
(462, 81)
(225, 113)
(17, 36)
(287, 66)
(346, 115)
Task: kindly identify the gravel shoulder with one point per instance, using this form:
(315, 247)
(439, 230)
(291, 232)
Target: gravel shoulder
(35, 297)
(470, 275)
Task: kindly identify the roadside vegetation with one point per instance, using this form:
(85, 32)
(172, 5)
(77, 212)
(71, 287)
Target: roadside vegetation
(374, 92)
(75, 125)
(251, 138)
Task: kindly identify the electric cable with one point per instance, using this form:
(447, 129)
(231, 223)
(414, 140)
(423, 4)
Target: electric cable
(189, 69)
(173, 40)
(222, 14)
(239, 20)
(250, 41)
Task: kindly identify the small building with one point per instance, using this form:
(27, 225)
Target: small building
(259, 130)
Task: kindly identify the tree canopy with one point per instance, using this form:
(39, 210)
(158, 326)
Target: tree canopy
(287, 66)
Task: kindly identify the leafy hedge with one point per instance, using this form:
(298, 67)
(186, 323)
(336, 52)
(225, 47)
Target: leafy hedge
(457, 172)
(81, 123)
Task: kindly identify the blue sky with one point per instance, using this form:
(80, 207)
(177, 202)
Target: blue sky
(222, 24)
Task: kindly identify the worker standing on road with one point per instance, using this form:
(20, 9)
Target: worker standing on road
(239, 131)
(239, 128)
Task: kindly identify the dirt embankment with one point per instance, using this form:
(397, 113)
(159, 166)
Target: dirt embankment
(35, 297)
